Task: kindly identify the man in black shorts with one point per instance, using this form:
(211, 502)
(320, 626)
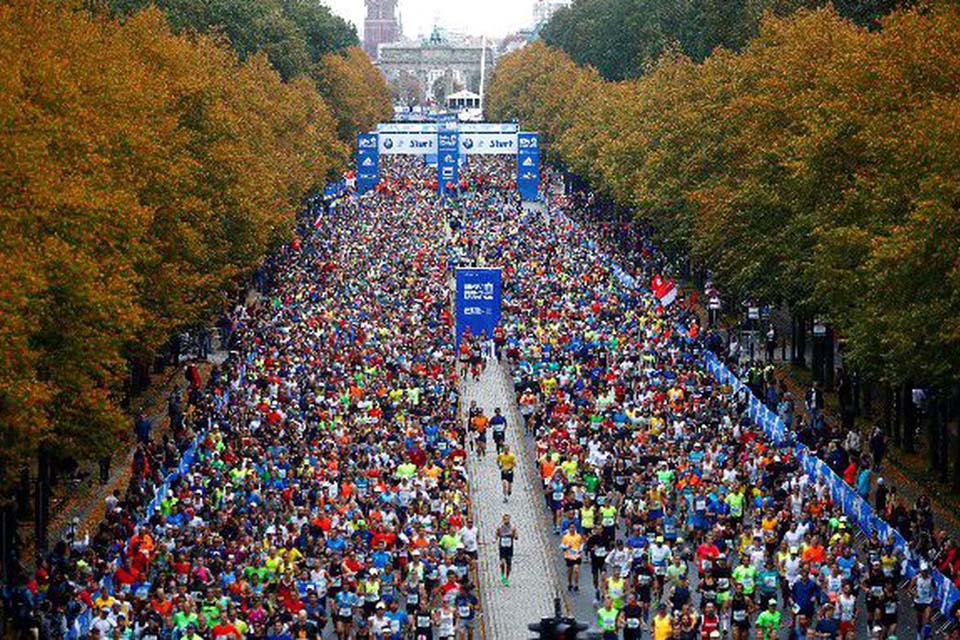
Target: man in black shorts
(498, 424)
(506, 536)
(506, 461)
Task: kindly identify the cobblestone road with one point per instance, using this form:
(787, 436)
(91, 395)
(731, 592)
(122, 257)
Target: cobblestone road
(508, 610)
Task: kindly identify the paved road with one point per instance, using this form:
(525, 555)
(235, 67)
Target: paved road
(508, 610)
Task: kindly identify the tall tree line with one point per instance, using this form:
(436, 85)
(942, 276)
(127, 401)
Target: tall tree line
(623, 38)
(817, 167)
(143, 169)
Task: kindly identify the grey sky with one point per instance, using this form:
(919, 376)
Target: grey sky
(478, 17)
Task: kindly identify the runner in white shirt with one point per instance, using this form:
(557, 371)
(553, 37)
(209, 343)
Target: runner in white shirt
(470, 537)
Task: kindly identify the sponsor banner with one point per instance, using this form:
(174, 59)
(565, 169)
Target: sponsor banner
(854, 507)
(447, 122)
(417, 144)
(528, 166)
(478, 300)
(407, 127)
(487, 143)
(489, 127)
(431, 127)
(426, 143)
(448, 154)
(368, 162)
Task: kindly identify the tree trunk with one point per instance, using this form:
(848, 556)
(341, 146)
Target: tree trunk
(909, 418)
(8, 526)
(793, 339)
(818, 362)
(867, 390)
(955, 417)
(943, 426)
(857, 391)
(829, 365)
(897, 399)
(801, 342)
(43, 501)
(933, 434)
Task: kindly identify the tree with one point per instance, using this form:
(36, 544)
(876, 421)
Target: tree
(408, 90)
(623, 38)
(355, 90)
(140, 173)
(817, 167)
(294, 34)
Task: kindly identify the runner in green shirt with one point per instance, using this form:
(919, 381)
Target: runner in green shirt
(746, 574)
(607, 619)
(735, 502)
(768, 622)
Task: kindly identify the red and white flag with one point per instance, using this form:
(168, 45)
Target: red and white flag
(664, 290)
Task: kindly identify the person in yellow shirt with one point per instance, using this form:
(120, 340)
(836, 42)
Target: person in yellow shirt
(572, 545)
(506, 461)
(662, 624)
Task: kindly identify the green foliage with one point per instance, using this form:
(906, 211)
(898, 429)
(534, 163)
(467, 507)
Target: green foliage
(622, 38)
(294, 34)
(820, 166)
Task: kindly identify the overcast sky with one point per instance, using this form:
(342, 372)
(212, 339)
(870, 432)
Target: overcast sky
(475, 17)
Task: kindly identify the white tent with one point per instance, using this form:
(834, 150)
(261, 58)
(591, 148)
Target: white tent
(463, 100)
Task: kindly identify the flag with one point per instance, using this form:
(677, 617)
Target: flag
(666, 292)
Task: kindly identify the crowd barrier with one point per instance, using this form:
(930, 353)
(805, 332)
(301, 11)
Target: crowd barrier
(855, 508)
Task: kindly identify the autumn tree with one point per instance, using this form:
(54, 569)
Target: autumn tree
(294, 34)
(140, 172)
(815, 167)
(356, 91)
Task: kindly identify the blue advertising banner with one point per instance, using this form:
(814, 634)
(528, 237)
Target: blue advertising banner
(478, 301)
(448, 152)
(856, 508)
(528, 166)
(368, 162)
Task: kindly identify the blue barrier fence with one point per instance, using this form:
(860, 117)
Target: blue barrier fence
(856, 508)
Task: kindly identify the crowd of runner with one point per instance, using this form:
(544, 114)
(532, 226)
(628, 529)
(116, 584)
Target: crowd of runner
(328, 496)
(691, 524)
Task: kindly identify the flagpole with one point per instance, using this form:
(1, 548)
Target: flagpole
(483, 69)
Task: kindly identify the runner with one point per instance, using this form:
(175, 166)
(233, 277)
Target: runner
(572, 545)
(498, 424)
(506, 461)
(479, 423)
(506, 537)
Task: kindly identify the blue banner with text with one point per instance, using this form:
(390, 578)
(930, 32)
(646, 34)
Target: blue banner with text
(448, 152)
(478, 302)
(528, 166)
(368, 162)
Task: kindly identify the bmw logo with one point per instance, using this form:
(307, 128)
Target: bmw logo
(388, 144)
(468, 143)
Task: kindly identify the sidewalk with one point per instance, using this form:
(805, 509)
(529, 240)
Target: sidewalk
(533, 584)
